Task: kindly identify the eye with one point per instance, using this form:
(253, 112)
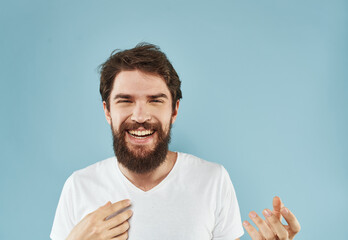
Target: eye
(124, 101)
(156, 101)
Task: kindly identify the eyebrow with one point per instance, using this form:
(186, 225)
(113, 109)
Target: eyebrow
(127, 96)
(160, 95)
(121, 95)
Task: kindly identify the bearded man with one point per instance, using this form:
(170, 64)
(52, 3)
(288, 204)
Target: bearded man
(152, 193)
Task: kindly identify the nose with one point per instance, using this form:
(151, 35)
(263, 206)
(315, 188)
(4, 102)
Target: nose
(140, 114)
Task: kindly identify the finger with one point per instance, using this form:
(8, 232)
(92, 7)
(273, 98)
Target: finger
(269, 224)
(119, 219)
(123, 236)
(120, 229)
(96, 214)
(114, 208)
(277, 205)
(254, 234)
(290, 218)
(262, 225)
(101, 208)
(277, 227)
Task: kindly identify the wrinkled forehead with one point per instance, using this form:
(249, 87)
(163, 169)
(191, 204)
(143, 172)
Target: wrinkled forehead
(137, 84)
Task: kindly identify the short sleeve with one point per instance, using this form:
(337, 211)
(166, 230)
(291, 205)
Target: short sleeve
(63, 222)
(228, 224)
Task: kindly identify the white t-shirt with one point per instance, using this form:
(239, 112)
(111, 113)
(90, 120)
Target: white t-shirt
(195, 201)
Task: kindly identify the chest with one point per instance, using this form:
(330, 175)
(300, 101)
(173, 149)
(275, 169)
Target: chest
(172, 216)
(176, 213)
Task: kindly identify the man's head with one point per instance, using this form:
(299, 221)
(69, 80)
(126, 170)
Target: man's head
(144, 57)
(140, 91)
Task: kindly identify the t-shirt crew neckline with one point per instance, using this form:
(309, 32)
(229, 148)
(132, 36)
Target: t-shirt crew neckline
(161, 184)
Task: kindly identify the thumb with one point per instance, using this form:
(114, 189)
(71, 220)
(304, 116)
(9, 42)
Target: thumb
(277, 205)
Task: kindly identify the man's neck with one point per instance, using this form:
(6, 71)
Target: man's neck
(147, 181)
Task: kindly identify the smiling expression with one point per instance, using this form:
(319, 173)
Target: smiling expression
(140, 111)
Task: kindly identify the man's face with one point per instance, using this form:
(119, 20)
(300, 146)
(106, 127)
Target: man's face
(140, 116)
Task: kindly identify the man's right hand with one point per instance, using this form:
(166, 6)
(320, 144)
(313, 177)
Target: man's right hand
(96, 225)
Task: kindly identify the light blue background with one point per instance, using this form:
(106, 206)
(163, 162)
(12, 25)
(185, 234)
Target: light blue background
(265, 86)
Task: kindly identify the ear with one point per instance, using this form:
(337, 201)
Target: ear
(107, 113)
(175, 111)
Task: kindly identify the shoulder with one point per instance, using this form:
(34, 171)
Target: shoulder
(197, 165)
(94, 171)
(209, 177)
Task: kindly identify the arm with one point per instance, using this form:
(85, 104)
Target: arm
(228, 224)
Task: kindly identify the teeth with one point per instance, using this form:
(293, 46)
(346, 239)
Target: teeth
(141, 133)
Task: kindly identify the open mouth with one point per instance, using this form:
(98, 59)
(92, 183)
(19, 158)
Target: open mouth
(141, 134)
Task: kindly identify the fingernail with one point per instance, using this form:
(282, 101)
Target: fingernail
(267, 212)
(253, 215)
(245, 223)
(284, 210)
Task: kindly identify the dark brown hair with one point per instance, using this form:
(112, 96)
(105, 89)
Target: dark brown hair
(144, 57)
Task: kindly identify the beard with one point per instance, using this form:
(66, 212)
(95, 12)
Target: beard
(140, 159)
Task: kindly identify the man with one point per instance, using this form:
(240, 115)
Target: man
(153, 193)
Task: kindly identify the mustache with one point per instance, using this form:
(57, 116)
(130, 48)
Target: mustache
(134, 126)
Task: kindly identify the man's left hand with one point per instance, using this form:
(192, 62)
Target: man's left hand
(272, 228)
